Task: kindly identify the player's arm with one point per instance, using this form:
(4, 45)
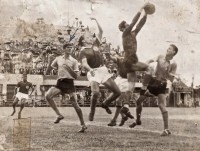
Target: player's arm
(100, 34)
(83, 59)
(75, 67)
(134, 21)
(54, 64)
(172, 72)
(152, 60)
(110, 57)
(140, 24)
(15, 90)
(150, 69)
(85, 64)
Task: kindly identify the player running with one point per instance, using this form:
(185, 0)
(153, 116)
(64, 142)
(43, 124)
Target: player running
(165, 70)
(67, 67)
(21, 94)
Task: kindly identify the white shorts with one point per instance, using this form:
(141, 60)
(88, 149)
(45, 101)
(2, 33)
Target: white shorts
(122, 83)
(21, 96)
(101, 75)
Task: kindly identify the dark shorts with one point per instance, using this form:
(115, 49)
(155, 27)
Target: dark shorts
(66, 85)
(157, 87)
(129, 60)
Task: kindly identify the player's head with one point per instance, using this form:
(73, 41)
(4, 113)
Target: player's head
(89, 40)
(67, 49)
(86, 40)
(172, 50)
(24, 77)
(123, 25)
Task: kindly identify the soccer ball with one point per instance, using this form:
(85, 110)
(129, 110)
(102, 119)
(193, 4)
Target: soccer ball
(149, 8)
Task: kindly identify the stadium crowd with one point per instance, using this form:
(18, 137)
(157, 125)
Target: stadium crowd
(35, 55)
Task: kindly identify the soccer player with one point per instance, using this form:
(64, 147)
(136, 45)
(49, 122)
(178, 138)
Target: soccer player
(122, 83)
(22, 94)
(129, 42)
(67, 67)
(92, 60)
(165, 70)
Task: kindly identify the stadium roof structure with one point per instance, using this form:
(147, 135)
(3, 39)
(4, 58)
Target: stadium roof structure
(181, 87)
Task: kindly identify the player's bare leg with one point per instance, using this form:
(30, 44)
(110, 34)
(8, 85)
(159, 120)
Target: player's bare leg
(14, 105)
(21, 108)
(52, 92)
(162, 107)
(73, 99)
(131, 81)
(119, 103)
(117, 112)
(94, 99)
(144, 93)
(138, 111)
(111, 85)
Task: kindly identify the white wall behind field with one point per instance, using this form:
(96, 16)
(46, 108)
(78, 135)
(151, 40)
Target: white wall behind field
(175, 21)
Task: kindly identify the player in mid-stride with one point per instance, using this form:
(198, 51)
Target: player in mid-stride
(67, 67)
(22, 95)
(156, 85)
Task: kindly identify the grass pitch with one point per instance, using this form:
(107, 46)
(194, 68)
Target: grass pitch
(47, 136)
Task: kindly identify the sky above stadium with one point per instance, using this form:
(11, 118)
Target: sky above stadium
(175, 21)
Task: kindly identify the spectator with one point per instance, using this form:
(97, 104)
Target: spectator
(21, 70)
(1, 67)
(7, 64)
(16, 63)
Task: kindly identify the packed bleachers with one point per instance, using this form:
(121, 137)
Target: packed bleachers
(35, 53)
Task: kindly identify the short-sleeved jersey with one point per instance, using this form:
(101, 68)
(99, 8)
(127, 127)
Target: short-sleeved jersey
(24, 86)
(66, 67)
(164, 68)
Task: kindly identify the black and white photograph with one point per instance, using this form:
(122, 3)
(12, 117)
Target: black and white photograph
(99, 75)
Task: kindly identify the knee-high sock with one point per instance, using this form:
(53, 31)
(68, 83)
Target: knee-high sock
(138, 112)
(165, 119)
(139, 107)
